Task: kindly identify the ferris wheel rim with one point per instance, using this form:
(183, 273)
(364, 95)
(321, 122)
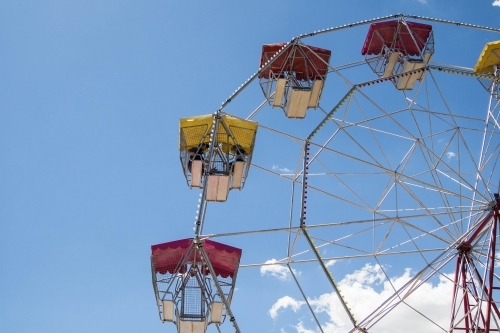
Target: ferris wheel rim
(474, 211)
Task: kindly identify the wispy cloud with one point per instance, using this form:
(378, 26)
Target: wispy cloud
(450, 154)
(301, 329)
(276, 167)
(423, 2)
(279, 271)
(330, 263)
(283, 303)
(496, 3)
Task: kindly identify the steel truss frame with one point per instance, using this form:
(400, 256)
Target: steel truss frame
(456, 243)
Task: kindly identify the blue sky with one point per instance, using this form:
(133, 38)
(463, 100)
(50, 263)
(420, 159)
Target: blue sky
(91, 94)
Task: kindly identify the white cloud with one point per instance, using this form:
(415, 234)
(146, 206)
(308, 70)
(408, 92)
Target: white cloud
(367, 288)
(285, 302)
(496, 3)
(301, 329)
(422, 1)
(279, 271)
(451, 154)
(276, 167)
(368, 275)
(330, 263)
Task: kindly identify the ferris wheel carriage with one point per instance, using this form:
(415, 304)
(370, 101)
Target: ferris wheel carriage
(294, 79)
(216, 150)
(396, 47)
(194, 282)
(488, 64)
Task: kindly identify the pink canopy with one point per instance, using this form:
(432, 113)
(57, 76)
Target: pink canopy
(307, 64)
(225, 259)
(384, 34)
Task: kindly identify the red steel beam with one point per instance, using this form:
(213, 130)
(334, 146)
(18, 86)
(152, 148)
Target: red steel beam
(465, 262)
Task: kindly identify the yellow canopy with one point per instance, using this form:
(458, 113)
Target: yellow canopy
(232, 130)
(489, 57)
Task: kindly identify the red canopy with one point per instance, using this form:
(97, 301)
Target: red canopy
(225, 259)
(384, 34)
(307, 65)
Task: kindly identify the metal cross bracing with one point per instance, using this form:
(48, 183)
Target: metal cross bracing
(462, 190)
(474, 307)
(473, 304)
(411, 177)
(199, 222)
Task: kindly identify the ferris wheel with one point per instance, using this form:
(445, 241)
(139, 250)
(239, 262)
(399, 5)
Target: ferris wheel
(390, 165)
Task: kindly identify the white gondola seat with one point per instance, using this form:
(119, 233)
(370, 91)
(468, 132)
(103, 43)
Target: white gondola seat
(237, 177)
(279, 92)
(407, 82)
(391, 63)
(297, 102)
(217, 188)
(316, 90)
(187, 326)
(216, 312)
(167, 311)
(196, 173)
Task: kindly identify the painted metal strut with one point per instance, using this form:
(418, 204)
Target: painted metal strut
(472, 303)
